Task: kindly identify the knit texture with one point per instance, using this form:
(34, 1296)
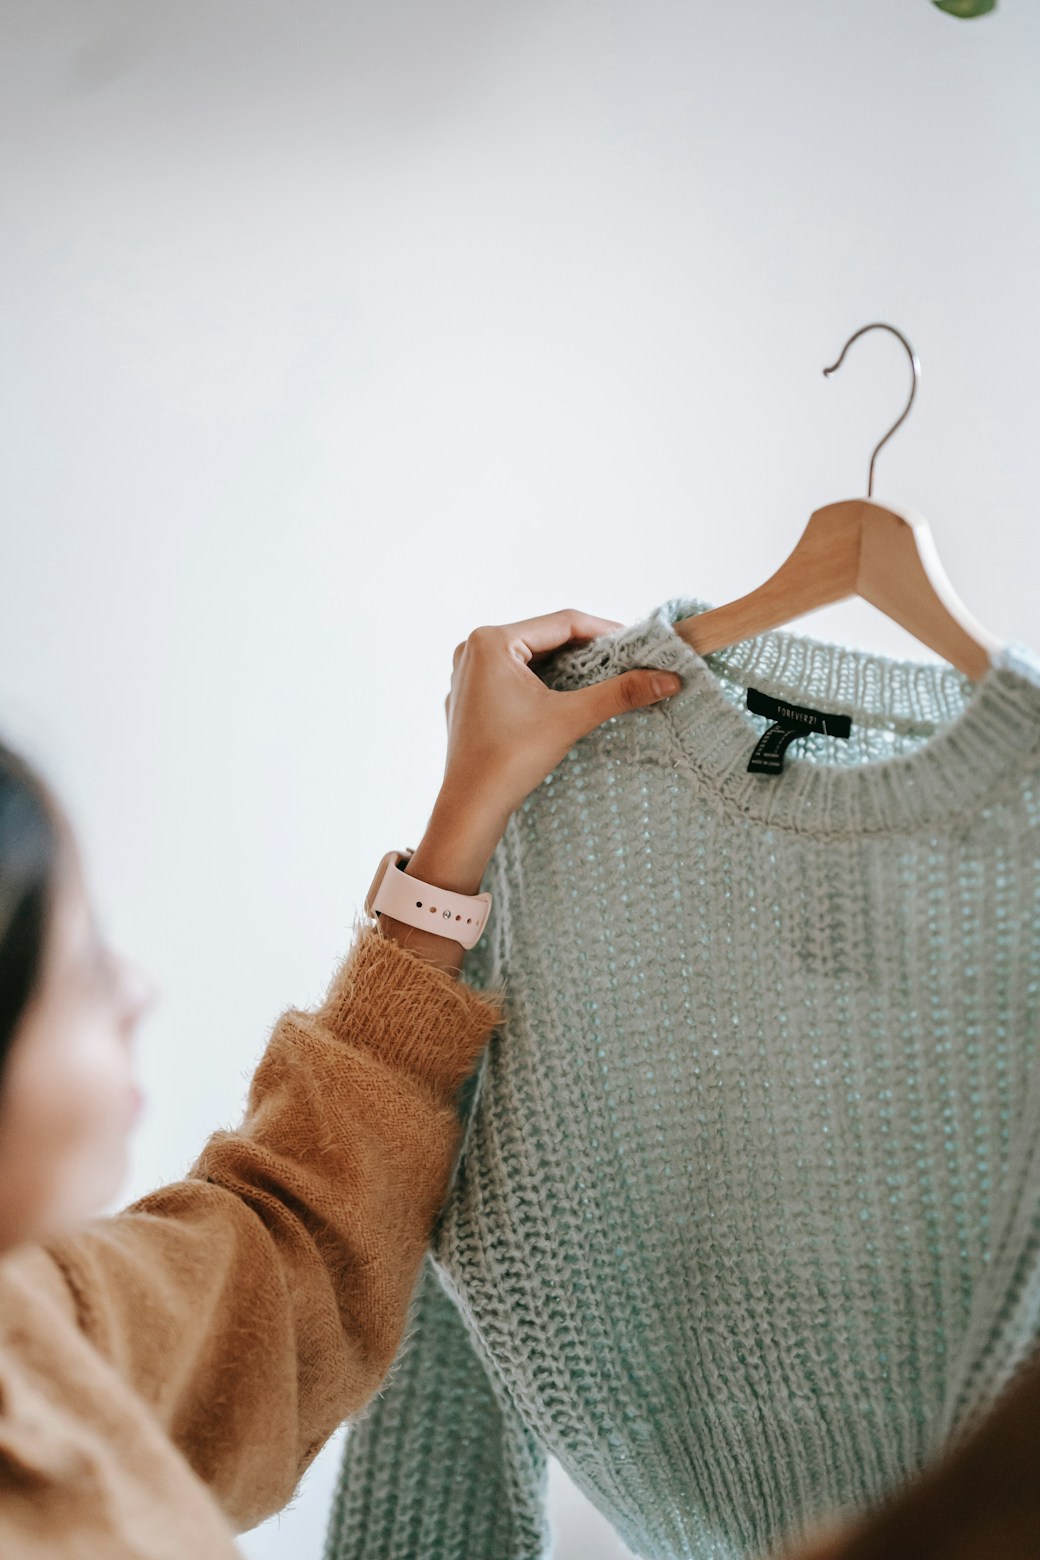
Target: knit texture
(167, 1375)
(746, 1226)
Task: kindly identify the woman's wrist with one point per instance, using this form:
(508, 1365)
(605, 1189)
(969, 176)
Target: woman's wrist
(459, 841)
(453, 853)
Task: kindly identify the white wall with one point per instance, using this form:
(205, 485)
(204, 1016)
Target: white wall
(328, 332)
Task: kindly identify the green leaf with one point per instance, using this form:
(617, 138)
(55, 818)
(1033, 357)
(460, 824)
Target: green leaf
(966, 7)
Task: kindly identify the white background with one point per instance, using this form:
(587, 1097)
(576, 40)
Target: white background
(330, 331)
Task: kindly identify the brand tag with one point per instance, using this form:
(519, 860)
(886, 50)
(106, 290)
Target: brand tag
(789, 721)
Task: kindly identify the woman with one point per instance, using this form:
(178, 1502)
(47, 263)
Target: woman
(167, 1375)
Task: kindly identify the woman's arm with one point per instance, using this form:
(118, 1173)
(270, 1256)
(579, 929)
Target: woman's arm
(259, 1301)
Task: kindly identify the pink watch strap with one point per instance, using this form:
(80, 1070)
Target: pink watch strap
(461, 917)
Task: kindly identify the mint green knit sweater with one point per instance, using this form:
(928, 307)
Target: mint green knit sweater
(746, 1225)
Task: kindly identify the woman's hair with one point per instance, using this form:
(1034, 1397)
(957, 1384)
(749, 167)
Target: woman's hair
(30, 855)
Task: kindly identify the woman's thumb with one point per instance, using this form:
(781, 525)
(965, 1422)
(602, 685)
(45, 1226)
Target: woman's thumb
(629, 691)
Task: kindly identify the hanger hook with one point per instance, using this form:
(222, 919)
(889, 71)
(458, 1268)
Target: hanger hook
(914, 364)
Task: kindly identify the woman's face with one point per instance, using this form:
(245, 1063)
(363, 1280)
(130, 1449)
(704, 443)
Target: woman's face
(67, 1094)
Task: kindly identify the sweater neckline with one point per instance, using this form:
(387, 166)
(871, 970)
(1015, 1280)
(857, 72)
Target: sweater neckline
(975, 735)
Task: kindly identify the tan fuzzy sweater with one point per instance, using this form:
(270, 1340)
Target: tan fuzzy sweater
(167, 1375)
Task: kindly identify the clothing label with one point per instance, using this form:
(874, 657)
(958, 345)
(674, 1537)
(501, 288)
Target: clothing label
(789, 721)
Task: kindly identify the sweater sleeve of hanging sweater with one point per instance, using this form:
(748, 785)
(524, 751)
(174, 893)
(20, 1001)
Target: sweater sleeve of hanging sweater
(260, 1301)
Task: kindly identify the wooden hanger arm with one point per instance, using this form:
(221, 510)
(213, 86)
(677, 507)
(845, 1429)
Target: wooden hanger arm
(902, 575)
(821, 569)
(856, 547)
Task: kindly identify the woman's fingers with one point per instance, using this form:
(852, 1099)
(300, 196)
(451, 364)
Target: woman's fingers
(544, 634)
(534, 637)
(506, 729)
(613, 696)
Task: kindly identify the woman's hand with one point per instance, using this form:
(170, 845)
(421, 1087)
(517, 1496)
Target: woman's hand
(506, 729)
(506, 732)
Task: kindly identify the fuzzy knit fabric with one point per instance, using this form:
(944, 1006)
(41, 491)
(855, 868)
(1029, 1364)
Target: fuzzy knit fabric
(746, 1226)
(167, 1375)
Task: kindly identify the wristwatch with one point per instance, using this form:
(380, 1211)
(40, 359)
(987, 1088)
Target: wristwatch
(461, 917)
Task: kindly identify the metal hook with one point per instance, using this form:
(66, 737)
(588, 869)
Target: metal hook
(914, 364)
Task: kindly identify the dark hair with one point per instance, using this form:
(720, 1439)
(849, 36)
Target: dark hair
(30, 854)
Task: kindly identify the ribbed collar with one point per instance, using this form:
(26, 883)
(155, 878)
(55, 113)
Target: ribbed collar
(977, 735)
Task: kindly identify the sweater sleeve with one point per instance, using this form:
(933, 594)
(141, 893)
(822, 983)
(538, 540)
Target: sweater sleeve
(440, 1464)
(259, 1302)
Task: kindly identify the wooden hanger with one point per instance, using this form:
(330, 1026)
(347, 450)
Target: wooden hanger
(858, 547)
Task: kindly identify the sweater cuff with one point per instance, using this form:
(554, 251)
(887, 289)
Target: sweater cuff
(413, 1015)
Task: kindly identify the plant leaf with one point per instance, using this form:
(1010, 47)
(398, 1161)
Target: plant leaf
(966, 7)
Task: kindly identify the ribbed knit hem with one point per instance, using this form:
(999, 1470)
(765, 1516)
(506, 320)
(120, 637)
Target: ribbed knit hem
(401, 1006)
(978, 735)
